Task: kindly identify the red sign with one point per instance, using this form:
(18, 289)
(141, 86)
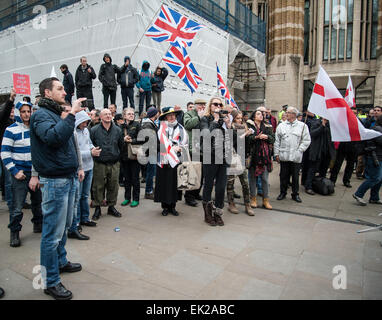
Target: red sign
(22, 84)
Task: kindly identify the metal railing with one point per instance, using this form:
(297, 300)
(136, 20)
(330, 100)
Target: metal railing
(18, 13)
(241, 23)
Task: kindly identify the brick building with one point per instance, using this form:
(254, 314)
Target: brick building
(344, 36)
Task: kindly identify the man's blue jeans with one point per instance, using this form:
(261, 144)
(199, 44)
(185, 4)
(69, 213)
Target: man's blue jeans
(57, 208)
(74, 224)
(373, 180)
(81, 206)
(20, 189)
(150, 174)
(8, 187)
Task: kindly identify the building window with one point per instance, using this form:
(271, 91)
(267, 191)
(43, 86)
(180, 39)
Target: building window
(369, 27)
(338, 30)
(306, 31)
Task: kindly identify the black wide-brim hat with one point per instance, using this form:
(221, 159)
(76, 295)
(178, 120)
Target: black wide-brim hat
(168, 110)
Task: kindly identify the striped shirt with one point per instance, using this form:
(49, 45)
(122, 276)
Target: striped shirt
(16, 148)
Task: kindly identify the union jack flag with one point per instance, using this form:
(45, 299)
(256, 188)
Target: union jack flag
(224, 90)
(173, 27)
(179, 61)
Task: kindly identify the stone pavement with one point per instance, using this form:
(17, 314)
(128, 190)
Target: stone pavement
(274, 255)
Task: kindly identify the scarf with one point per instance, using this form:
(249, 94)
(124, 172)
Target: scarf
(261, 154)
(170, 135)
(50, 105)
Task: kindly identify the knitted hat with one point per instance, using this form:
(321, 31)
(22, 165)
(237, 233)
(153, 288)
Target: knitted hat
(152, 112)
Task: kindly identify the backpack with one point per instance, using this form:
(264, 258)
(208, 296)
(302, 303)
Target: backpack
(323, 186)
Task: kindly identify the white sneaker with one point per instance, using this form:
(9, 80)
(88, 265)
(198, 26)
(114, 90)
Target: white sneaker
(360, 200)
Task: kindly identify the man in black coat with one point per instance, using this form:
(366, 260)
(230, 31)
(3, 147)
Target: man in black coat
(127, 78)
(106, 75)
(5, 121)
(84, 77)
(321, 151)
(68, 83)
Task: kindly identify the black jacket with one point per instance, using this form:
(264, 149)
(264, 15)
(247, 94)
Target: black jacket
(53, 148)
(5, 121)
(128, 76)
(158, 81)
(321, 145)
(110, 142)
(68, 83)
(374, 144)
(107, 74)
(219, 143)
(131, 130)
(84, 78)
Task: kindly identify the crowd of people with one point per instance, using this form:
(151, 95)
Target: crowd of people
(64, 152)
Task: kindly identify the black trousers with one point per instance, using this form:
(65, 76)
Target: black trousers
(131, 174)
(289, 169)
(215, 174)
(86, 92)
(351, 158)
(127, 93)
(106, 93)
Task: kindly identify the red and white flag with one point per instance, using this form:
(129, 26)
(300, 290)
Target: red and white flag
(327, 102)
(350, 96)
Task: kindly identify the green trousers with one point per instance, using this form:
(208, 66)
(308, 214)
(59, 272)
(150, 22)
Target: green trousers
(105, 177)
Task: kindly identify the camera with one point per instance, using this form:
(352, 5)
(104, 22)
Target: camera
(223, 113)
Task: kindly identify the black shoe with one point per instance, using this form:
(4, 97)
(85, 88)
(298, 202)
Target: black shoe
(15, 239)
(281, 196)
(59, 292)
(37, 227)
(2, 292)
(199, 197)
(27, 206)
(149, 196)
(71, 267)
(191, 202)
(174, 212)
(77, 235)
(113, 212)
(97, 213)
(236, 196)
(165, 212)
(88, 223)
(143, 180)
(347, 184)
(310, 191)
(297, 198)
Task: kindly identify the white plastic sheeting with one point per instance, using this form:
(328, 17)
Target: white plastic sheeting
(93, 27)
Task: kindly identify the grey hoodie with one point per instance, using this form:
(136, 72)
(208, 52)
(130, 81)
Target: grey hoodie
(84, 142)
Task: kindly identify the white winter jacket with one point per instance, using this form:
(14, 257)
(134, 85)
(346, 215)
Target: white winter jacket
(292, 139)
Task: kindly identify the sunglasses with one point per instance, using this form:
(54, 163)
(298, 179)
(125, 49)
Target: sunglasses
(218, 105)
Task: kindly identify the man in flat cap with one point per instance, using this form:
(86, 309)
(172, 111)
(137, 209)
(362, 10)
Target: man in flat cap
(192, 121)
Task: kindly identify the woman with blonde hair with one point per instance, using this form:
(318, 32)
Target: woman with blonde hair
(239, 130)
(216, 122)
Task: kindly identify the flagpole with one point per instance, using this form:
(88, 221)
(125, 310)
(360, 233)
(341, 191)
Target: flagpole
(155, 15)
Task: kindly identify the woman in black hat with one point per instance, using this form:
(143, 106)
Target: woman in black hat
(172, 139)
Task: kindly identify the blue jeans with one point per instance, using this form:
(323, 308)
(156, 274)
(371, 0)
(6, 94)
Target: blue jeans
(83, 210)
(57, 208)
(74, 224)
(8, 187)
(20, 188)
(150, 174)
(373, 180)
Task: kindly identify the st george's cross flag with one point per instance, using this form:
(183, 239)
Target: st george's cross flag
(173, 27)
(327, 102)
(349, 96)
(179, 61)
(224, 89)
